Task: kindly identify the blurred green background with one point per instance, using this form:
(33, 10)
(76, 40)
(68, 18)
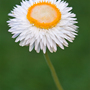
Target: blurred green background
(24, 70)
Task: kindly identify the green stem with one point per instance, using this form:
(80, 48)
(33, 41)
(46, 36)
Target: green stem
(54, 75)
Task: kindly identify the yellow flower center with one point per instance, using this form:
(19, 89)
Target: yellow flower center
(44, 15)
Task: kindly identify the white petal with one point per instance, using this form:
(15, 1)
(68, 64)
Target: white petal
(31, 47)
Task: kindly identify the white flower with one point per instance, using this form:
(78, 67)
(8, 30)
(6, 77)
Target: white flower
(42, 24)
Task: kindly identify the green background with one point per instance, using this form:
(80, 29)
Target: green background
(24, 70)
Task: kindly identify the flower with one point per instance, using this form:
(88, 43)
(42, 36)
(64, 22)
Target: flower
(42, 24)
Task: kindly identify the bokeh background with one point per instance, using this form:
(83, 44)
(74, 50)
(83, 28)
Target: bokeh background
(24, 70)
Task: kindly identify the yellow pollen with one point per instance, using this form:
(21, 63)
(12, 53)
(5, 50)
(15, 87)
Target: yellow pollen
(44, 15)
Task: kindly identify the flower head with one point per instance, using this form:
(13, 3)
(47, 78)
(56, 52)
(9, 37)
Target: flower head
(42, 24)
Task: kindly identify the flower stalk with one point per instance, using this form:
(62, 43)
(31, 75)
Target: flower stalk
(53, 72)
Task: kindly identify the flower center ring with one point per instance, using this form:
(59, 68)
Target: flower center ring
(44, 15)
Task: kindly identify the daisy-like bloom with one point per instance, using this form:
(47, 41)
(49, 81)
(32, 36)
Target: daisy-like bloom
(42, 24)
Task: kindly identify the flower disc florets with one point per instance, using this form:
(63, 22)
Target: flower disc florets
(44, 15)
(43, 23)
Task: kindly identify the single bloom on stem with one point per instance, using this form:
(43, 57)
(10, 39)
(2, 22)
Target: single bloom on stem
(42, 24)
